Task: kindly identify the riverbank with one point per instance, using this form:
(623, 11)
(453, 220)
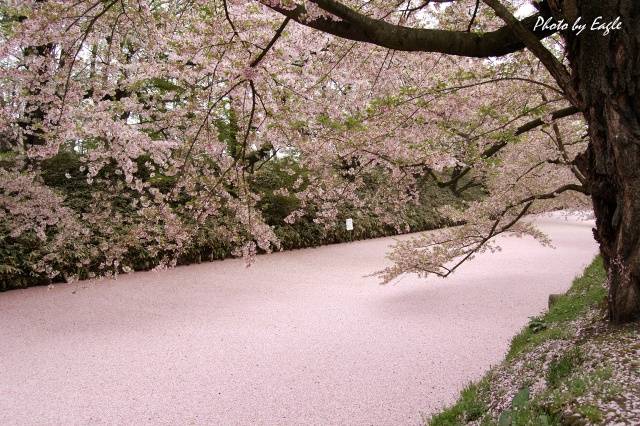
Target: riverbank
(568, 366)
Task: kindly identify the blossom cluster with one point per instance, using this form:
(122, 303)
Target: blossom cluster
(174, 105)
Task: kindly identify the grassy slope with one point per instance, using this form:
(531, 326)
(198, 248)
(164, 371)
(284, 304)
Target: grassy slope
(568, 366)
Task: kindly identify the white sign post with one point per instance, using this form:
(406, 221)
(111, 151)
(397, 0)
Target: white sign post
(349, 224)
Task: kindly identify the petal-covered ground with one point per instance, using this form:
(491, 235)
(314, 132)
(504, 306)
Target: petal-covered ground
(300, 337)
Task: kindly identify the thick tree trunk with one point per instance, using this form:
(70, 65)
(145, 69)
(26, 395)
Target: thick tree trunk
(606, 70)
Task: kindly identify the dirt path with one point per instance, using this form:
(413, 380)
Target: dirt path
(301, 337)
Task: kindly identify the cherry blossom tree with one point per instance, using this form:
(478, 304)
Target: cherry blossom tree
(472, 94)
(597, 73)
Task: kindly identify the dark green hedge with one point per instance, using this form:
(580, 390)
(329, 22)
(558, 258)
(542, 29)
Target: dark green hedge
(17, 255)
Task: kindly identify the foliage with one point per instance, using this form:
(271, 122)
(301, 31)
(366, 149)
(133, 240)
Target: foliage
(61, 173)
(562, 368)
(181, 113)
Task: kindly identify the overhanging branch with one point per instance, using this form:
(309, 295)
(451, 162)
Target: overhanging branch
(531, 125)
(356, 26)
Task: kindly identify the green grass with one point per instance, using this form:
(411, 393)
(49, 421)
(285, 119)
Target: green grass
(563, 367)
(469, 408)
(565, 381)
(586, 291)
(573, 387)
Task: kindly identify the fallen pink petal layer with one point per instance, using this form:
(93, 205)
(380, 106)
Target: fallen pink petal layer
(301, 337)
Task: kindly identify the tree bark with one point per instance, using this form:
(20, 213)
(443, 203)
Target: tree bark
(606, 72)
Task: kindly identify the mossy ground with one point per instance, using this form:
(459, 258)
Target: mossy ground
(568, 366)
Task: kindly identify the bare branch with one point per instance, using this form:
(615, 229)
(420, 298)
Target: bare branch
(359, 27)
(473, 17)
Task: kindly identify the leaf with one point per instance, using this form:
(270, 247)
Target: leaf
(505, 418)
(521, 398)
(537, 325)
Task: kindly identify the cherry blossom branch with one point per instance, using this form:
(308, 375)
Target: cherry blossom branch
(533, 43)
(493, 232)
(558, 140)
(275, 38)
(430, 253)
(228, 18)
(531, 125)
(75, 55)
(495, 148)
(204, 122)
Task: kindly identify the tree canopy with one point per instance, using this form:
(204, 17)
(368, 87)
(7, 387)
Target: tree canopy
(145, 89)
